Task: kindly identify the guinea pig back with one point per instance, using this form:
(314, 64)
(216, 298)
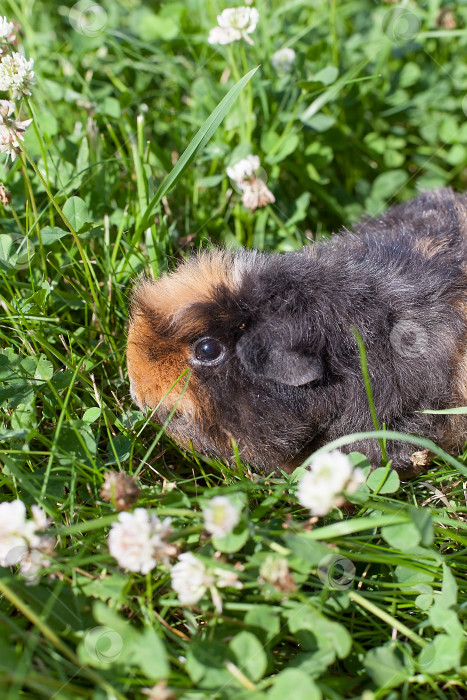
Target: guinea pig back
(267, 338)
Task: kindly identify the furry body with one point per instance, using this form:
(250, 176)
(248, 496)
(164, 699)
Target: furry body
(289, 379)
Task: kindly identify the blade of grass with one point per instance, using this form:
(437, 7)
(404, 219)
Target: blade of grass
(460, 411)
(194, 147)
(386, 617)
(369, 393)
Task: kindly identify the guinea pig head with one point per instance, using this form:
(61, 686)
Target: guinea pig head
(246, 359)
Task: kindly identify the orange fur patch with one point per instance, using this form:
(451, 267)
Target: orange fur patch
(151, 380)
(156, 358)
(192, 281)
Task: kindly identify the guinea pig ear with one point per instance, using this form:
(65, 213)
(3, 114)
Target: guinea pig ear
(273, 360)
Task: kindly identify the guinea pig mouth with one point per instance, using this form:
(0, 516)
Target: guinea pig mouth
(185, 429)
(179, 424)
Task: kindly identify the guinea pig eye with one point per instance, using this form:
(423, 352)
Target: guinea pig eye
(209, 351)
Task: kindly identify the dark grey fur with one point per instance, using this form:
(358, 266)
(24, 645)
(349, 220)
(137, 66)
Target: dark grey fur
(291, 379)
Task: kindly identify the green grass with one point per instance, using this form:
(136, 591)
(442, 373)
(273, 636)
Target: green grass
(372, 111)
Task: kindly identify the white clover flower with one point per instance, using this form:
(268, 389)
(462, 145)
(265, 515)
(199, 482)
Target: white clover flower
(160, 690)
(227, 579)
(31, 564)
(321, 487)
(10, 138)
(11, 130)
(138, 541)
(20, 543)
(5, 195)
(190, 579)
(315, 495)
(16, 74)
(224, 579)
(256, 194)
(223, 36)
(216, 599)
(41, 520)
(357, 479)
(255, 191)
(7, 30)
(7, 107)
(13, 532)
(244, 169)
(40, 547)
(234, 23)
(244, 19)
(220, 516)
(275, 570)
(283, 60)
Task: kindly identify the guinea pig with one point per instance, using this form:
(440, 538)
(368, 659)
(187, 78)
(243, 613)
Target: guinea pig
(268, 339)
